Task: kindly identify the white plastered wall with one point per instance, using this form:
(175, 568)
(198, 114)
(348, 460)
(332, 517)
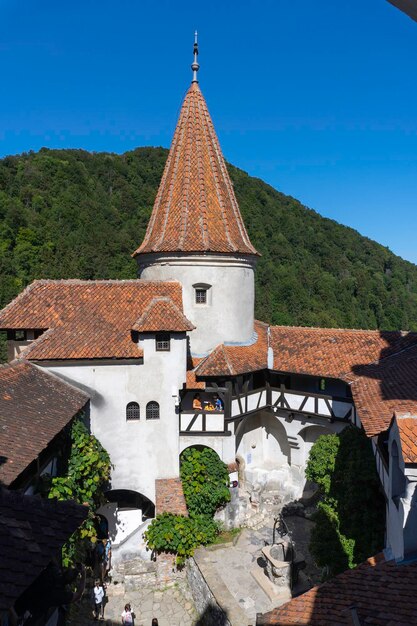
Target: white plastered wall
(274, 449)
(229, 314)
(401, 522)
(140, 450)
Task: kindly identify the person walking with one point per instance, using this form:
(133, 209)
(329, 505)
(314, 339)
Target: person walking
(98, 596)
(154, 622)
(128, 616)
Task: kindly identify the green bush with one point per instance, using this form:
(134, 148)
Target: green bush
(205, 481)
(180, 535)
(321, 461)
(350, 517)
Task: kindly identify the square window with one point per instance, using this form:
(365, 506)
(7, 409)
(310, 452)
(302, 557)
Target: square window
(163, 342)
(201, 296)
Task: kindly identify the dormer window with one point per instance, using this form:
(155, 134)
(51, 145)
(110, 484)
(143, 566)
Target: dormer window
(162, 342)
(202, 294)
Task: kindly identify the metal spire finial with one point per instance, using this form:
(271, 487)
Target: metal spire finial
(195, 66)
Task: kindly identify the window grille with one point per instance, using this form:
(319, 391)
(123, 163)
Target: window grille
(132, 411)
(201, 296)
(163, 342)
(152, 411)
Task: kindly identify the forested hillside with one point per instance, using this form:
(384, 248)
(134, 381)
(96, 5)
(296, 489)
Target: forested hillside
(69, 213)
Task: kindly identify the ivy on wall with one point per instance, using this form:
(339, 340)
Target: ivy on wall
(205, 481)
(88, 473)
(350, 519)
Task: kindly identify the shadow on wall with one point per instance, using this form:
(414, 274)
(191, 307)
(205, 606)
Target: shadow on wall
(274, 439)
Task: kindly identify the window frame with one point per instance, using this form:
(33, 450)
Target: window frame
(162, 342)
(135, 406)
(154, 409)
(199, 288)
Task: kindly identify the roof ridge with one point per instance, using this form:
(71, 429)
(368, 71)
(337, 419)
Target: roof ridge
(354, 330)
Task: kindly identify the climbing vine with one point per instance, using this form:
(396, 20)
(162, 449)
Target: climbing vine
(88, 472)
(205, 481)
(350, 515)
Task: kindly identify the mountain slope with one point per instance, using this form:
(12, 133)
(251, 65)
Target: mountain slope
(69, 213)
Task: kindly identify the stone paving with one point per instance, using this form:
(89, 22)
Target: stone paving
(233, 564)
(172, 605)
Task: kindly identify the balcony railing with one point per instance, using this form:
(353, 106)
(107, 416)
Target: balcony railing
(194, 422)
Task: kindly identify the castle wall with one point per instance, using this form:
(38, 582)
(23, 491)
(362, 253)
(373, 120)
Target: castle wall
(228, 315)
(140, 450)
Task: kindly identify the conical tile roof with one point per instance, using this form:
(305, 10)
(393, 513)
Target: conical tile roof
(196, 209)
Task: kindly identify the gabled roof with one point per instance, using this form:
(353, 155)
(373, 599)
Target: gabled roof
(407, 427)
(196, 208)
(383, 593)
(86, 319)
(226, 360)
(34, 407)
(162, 314)
(32, 531)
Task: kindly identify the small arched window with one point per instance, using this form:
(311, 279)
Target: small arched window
(152, 411)
(132, 411)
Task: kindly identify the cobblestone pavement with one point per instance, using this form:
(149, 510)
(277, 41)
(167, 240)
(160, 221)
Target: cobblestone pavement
(172, 605)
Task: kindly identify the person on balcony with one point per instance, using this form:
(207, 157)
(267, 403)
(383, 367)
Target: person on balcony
(197, 402)
(218, 404)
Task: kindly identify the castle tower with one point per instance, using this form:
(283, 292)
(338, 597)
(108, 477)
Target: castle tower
(196, 233)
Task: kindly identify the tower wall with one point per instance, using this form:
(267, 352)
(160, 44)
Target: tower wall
(228, 314)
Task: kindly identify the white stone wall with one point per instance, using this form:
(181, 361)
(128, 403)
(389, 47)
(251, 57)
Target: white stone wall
(228, 315)
(140, 450)
(401, 507)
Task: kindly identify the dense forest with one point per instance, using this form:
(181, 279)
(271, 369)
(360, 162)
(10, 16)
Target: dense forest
(73, 214)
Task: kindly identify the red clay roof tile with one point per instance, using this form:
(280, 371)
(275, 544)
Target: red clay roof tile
(44, 526)
(228, 360)
(196, 208)
(383, 592)
(86, 319)
(162, 314)
(407, 427)
(34, 407)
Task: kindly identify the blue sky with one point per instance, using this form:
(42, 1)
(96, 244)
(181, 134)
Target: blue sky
(318, 98)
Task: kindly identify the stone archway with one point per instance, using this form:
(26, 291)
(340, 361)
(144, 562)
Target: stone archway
(125, 511)
(261, 440)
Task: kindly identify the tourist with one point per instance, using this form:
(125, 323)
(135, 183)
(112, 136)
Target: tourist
(107, 556)
(154, 622)
(99, 564)
(128, 617)
(218, 405)
(98, 596)
(197, 402)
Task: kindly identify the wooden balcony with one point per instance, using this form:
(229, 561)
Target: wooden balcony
(210, 423)
(291, 401)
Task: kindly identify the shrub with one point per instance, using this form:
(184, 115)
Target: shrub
(180, 535)
(205, 481)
